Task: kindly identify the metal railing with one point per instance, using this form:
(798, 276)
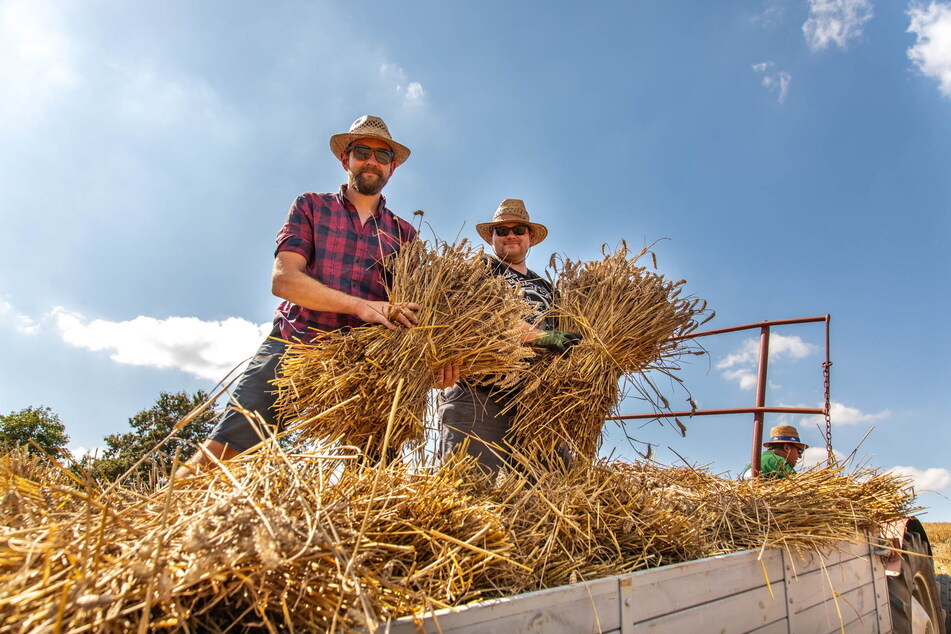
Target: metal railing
(760, 407)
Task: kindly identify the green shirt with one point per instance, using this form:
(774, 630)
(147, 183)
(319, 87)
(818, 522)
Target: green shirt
(771, 466)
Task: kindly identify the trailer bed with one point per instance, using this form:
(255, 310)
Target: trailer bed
(842, 590)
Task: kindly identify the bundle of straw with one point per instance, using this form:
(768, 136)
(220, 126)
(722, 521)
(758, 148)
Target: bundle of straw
(591, 521)
(611, 518)
(467, 317)
(271, 539)
(291, 541)
(627, 316)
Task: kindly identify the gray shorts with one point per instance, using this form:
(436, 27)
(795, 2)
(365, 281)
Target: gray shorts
(253, 392)
(467, 412)
(470, 413)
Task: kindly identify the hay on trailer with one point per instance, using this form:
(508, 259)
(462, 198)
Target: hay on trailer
(270, 539)
(467, 316)
(628, 317)
(293, 540)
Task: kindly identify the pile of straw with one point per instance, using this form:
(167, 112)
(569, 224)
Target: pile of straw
(312, 540)
(628, 316)
(467, 316)
(270, 539)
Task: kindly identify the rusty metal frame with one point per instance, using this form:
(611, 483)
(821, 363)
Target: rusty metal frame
(760, 408)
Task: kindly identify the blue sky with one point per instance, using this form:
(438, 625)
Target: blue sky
(793, 157)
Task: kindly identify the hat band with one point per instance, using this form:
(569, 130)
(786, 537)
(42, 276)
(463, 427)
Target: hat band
(785, 439)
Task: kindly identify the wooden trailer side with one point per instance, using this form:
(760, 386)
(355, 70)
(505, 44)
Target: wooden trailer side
(844, 589)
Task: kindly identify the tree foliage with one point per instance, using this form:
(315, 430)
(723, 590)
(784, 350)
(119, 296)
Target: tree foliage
(39, 424)
(149, 428)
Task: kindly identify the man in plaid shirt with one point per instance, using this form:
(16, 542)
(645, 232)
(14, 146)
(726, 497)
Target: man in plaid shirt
(327, 269)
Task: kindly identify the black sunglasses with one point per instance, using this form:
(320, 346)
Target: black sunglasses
(362, 153)
(518, 230)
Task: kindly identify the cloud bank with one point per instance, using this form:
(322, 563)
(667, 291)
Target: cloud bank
(207, 349)
(931, 54)
(741, 366)
(816, 456)
(933, 479)
(835, 22)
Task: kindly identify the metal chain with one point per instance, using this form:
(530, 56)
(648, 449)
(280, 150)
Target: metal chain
(831, 461)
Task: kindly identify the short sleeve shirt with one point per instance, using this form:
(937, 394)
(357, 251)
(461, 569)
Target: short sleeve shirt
(771, 466)
(341, 254)
(536, 290)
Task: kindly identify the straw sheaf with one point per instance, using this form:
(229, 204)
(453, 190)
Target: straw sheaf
(628, 317)
(311, 541)
(274, 538)
(467, 316)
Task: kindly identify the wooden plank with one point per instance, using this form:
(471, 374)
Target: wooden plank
(805, 562)
(651, 593)
(883, 605)
(776, 627)
(579, 608)
(728, 593)
(857, 605)
(814, 588)
(738, 613)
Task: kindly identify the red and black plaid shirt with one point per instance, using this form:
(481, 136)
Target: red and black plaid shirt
(341, 253)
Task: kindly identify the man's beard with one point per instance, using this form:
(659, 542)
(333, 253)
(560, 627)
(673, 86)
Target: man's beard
(364, 184)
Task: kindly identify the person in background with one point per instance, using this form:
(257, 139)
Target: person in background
(783, 450)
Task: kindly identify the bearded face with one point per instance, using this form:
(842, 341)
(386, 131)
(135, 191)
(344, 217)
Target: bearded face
(369, 178)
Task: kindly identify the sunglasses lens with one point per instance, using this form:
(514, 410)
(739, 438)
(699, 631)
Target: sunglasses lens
(518, 230)
(362, 153)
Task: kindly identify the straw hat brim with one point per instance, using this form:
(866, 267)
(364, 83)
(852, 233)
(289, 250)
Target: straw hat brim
(801, 445)
(539, 232)
(339, 142)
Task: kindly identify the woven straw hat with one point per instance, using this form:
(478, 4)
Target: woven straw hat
(784, 434)
(512, 210)
(372, 127)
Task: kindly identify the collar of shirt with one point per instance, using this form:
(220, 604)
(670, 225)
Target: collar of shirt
(349, 206)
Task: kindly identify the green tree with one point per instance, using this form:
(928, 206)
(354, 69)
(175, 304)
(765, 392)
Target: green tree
(149, 428)
(39, 424)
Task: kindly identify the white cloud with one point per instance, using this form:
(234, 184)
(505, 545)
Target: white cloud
(38, 57)
(933, 479)
(744, 376)
(741, 365)
(81, 452)
(21, 323)
(839, 413)
(208, 349)
(842, 414)
(776, 81)
(836, 22)
(816, 456)
(411, 92)
(931, 53)
(415, 93)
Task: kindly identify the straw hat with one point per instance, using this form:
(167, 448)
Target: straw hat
(512, 210)
(784, 434)
(371, 127)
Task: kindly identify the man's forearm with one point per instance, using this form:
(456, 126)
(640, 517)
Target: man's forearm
(305, 291)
